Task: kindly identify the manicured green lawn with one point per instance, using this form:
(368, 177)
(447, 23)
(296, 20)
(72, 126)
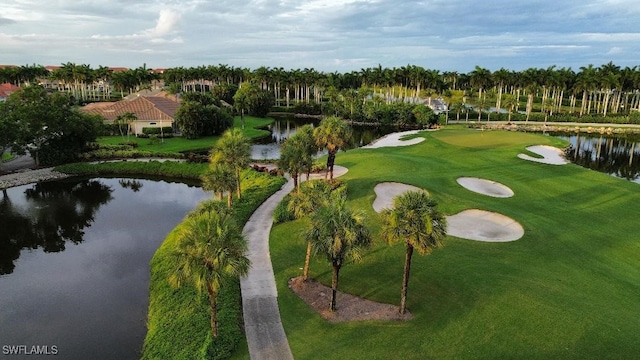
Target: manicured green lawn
(6, 156)
(570, 288)
(180, 144)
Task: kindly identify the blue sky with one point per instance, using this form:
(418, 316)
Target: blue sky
(328, 35)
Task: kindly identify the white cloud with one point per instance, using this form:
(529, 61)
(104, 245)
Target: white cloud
(167, 23)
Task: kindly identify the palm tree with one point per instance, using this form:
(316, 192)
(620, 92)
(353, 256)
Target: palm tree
(510, 103)
(332, 134)
(415, 220)
(211, 251)
(127, 118)
(219, 178)
(339, 233)
(234, 149)
(314, 195)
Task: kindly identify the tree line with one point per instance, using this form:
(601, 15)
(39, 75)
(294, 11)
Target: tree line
(603, 90)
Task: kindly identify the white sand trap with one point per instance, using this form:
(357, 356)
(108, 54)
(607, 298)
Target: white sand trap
(393, 139)
(551, 155)
(485, 187)
(483, 225)
(385, 192)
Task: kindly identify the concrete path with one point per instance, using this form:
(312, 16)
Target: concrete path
(262, 324)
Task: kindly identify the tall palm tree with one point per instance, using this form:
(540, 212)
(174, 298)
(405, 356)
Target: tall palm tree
(211, 251)
(295, 158)
(414, 219)
(314, 195)
(338, 233)
(233, 148)
(510, 103)
(333, 134)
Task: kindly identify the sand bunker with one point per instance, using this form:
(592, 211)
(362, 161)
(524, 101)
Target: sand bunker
(485, 187)
(385, 192)
(483, 225)
(551, 155)
(394, 140)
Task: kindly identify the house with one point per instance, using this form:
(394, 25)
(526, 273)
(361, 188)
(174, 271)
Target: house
(6, 90)
(150, 111)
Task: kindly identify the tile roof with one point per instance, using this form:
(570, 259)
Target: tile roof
(145, 108)
(6, 89)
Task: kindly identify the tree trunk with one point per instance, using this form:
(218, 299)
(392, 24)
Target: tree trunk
(229, 197)
(307, 260)
(405, 278)
(238, 183)
(334, 286)
(331, 159)
(214, 311)
(296, 182)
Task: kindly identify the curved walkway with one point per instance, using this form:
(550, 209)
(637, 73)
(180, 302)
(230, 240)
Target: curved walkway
(262, 324)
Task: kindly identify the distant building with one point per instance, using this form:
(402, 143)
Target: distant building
(151, 111)
(6, 90)
(437, 105)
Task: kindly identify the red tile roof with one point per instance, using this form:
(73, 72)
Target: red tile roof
(145, 108)
(6, 89)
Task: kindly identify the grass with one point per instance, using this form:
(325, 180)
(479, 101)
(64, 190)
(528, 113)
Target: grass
(178, 320)
(568, 289)
(179, 144)
(6, 156)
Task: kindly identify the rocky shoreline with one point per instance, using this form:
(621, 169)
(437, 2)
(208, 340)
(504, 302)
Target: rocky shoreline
(29, 176)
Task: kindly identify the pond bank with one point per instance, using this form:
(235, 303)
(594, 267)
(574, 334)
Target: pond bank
(30, 176)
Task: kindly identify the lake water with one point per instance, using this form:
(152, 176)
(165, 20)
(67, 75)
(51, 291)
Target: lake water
(614, 155)
(74, 262)
(268, 148)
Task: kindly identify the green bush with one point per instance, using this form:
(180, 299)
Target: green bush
(166, 130)
(281, 213)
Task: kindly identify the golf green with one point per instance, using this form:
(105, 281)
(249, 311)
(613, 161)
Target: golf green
(569, 288)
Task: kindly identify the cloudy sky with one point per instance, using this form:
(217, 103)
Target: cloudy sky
(328, 35)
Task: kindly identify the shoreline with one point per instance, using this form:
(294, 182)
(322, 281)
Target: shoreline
(30, 176)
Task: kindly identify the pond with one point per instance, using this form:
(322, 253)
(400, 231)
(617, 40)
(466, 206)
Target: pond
(268, 148)
(74, 262)
(614, 155)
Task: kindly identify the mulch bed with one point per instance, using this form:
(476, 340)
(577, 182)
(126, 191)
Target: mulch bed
(348, 307)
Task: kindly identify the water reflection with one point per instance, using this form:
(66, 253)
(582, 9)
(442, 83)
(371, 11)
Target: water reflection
(268, 148)
(51, 214)
(615, 155)
(91, 299)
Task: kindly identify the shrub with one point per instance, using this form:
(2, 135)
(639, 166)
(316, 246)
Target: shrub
(281, 213)
(157, 130)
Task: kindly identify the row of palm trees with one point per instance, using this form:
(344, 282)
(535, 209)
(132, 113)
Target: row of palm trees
(591, 90)
(338, 232)
(211, 248)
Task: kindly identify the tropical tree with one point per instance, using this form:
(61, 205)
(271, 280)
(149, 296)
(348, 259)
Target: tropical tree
(296, 154)
(219, 178)
(338, 233)
(211, 250)
(127, 118)
(414, 219)
(314, 195)
(510, 103)
(333, 133)
(234, 149)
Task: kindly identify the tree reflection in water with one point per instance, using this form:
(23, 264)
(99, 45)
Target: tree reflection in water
(53, 213)
(615, 155)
